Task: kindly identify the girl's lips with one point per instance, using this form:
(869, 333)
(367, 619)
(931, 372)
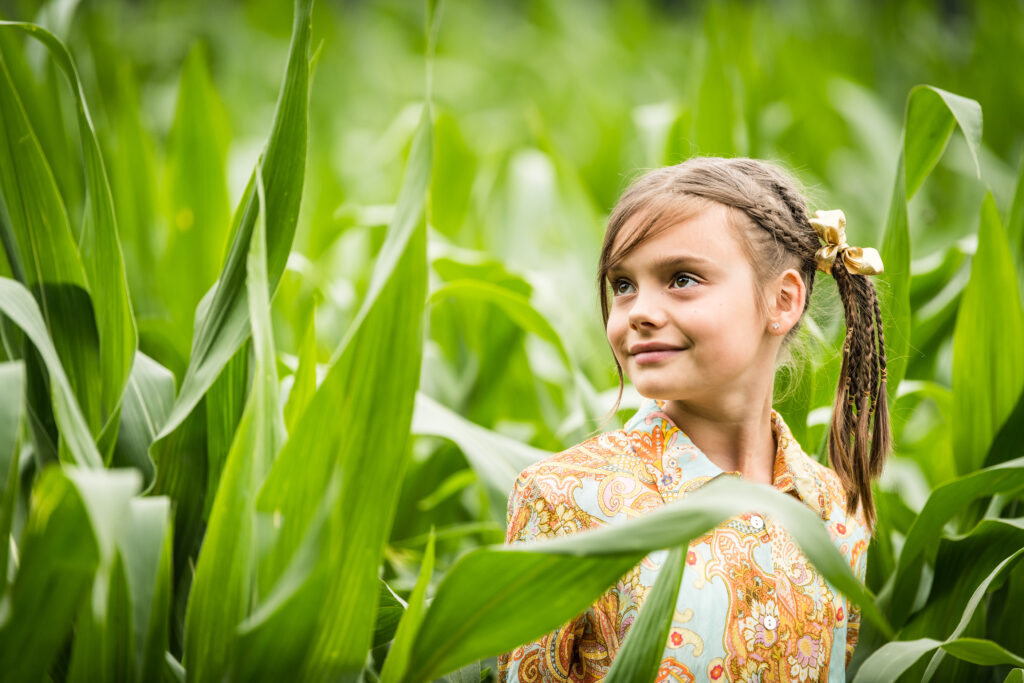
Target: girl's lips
(648, 357)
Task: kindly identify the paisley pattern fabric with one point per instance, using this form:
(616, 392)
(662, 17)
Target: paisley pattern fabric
(750, 607)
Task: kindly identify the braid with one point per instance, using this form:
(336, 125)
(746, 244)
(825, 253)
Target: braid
(882, 434)
(769, 219)
(808, 244)
(861, 394)
(798, 210)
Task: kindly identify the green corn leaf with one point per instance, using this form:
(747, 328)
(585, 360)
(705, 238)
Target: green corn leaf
(718, 115)
(892, 659)
(380, 357)
(134, 186)
(99, 245)
(398, 663)
(932, 115)
(480, 609)
(222, 318)
(221, 590)
(277, 634)
(38, 89)
(147, 401)
(47, 253)
(496, 458)
(471, 673)
(324, 458)
(961, 563)
(390, 609)
(145, 546)
(12, 378)
(1015, 676)
(517, 306)
(927, 282)
(172, 671)
(68, 546)
(894, 294)
(58, 527)
(1005, 445)
(1015, 227)
(304, 385)
(563, 576)
(640, 656)
(199, 215)
(981, 651)
(225, 402)
(454, 171)
(519, 309)
(18, 305)
(944, 504)
(930, 118)
(187, 479)
(12, 412)
(127, 641)
(451, 485)
(988, 368)
(104, 640)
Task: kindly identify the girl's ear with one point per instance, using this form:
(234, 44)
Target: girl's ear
(786, 302)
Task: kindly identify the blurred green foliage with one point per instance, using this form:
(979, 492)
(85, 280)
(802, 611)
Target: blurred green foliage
(542, 111)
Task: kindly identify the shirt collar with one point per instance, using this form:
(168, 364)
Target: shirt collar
(679, 466)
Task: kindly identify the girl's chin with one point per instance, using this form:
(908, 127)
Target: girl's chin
(658, 392)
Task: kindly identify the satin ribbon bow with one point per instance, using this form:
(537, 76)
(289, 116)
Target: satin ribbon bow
(831, 228)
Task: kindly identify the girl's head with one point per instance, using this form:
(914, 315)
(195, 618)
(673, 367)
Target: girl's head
(705, 273)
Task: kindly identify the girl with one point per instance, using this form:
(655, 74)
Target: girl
(705, 274)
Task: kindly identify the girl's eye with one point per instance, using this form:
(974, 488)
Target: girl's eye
(682, 280)
(621, 287)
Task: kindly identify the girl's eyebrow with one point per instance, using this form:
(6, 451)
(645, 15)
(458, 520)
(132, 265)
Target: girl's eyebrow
(667, 262)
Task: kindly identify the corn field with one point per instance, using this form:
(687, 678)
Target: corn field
(290, 294)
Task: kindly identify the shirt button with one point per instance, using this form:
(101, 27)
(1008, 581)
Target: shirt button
(756, 522)
(770, 623)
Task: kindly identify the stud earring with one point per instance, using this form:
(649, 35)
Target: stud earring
(775, 326)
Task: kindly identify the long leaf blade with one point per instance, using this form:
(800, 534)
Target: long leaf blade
(578, 568)
(99, 243)
(988, 368)
(221, 591)
(640, 656)
(379, 357)
(222, 320)
(931, 117)
(18, 305)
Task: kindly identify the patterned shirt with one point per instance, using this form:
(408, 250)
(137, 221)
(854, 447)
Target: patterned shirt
(750, 606)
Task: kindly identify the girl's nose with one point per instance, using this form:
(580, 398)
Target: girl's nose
(647, 310)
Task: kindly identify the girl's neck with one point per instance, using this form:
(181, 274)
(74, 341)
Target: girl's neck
(736, 438)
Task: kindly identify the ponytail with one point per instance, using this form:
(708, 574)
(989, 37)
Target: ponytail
(860, 396)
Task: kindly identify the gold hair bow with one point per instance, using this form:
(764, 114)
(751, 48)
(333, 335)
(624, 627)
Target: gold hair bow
(831, 228)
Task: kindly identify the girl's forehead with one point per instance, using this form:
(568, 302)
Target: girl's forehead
(707, 232)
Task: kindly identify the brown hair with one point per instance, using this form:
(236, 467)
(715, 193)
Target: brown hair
(768, 210)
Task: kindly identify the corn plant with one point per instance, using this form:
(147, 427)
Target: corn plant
(275, 444)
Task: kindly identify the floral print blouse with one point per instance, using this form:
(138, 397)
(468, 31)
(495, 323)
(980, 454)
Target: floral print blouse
(750, 607)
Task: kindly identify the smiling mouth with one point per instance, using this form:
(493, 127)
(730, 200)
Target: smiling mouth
(656, 356)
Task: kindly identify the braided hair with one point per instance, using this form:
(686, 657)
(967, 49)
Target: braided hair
(771, 214)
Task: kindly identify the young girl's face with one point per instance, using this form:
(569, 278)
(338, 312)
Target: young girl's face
(684, 322)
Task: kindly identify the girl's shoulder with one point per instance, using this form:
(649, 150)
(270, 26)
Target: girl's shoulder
(596, 482)
(595, 457)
